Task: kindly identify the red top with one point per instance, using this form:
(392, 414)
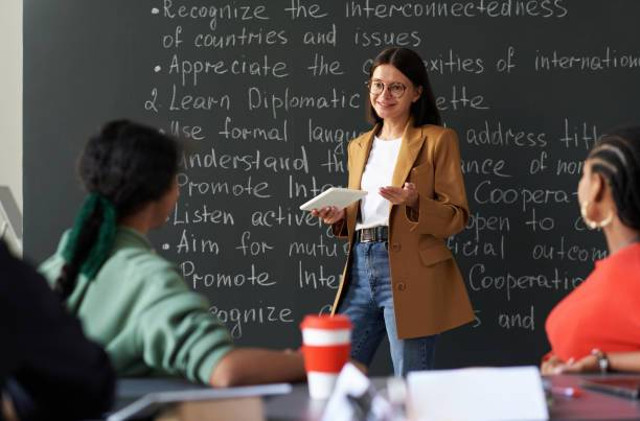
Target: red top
(603, 312)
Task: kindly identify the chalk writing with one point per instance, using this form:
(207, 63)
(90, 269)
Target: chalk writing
(268, 95)
(235, 318)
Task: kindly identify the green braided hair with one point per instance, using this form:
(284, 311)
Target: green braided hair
(99, 208)
(124, 167)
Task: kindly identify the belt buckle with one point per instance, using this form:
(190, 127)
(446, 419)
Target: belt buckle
(366, 236)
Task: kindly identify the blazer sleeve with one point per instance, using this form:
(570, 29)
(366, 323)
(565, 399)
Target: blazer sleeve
(447, 211)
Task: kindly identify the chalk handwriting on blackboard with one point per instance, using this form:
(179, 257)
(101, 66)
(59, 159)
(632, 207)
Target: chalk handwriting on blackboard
(266, 96)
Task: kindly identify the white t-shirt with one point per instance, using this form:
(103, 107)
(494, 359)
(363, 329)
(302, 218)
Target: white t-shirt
(374, 209)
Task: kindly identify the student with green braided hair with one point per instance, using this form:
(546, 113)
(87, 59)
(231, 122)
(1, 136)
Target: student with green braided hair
(128, 298)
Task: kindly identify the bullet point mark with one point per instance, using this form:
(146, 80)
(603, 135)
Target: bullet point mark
(165, 246)
(155, 11)
(157, 69)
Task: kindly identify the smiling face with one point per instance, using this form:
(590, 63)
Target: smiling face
(386, 105)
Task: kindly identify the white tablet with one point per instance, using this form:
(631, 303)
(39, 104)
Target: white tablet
(151, 404)
(335, 196)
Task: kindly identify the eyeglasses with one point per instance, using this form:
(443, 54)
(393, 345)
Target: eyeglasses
(376, 87)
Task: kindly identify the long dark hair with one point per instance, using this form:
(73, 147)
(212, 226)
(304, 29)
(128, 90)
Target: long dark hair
(424, 110)
(616, 156)
(125, 166)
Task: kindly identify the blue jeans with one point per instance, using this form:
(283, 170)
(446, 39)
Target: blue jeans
(368, 302)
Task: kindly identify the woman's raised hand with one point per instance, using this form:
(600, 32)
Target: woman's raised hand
(405, 195)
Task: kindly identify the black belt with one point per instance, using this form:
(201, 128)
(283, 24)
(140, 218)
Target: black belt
(367, 235)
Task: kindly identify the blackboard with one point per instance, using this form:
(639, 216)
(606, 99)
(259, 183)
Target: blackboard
(267, 94)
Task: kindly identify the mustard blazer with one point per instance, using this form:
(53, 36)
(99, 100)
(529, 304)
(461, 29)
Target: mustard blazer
(429, 295)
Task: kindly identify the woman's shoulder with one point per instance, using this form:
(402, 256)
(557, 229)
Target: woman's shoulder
(622, 266)
(140, 259)
(128, 246)
(362, 136)
(436, 131)
(141, 273)
(133, 247)
(134, 260)
(440, 138)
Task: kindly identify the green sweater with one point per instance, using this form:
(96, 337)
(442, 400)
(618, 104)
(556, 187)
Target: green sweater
(140, 309)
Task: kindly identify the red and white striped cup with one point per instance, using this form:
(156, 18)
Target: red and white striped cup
(326, 344)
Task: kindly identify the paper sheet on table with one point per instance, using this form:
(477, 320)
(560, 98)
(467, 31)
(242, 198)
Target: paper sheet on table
(477, 394)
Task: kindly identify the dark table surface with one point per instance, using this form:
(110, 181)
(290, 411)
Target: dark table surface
(297, 406)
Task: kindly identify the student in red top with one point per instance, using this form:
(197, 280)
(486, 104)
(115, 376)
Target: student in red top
(597, 326)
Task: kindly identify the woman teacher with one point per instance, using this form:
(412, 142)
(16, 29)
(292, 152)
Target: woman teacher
(400, 278)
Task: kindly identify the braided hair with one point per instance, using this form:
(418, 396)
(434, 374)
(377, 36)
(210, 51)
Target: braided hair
(616, 156)
(123, 167)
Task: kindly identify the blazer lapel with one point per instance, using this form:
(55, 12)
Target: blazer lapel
(412, 141)
(360, 158)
